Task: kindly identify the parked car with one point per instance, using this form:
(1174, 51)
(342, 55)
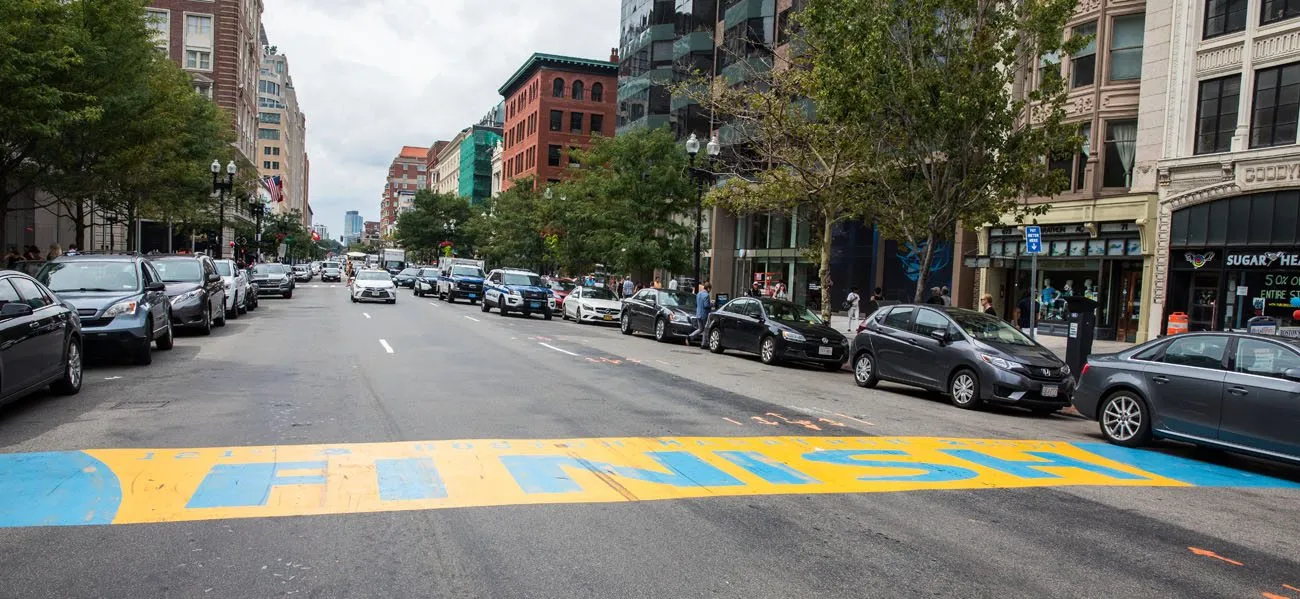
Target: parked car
(777, 331)
(29, 267)
(666, 314)
(195, 289)
(40, 340)
(971, 356)
(406, 277)
(302, 273)
(273, 278)
(1231, 391)
(513, 289)
(331, 271)
(374, 285)
(459, 280)
(561, 288)
(120, 300)
(315, 267)
(592, 304)
(426, 281)
(237, 287)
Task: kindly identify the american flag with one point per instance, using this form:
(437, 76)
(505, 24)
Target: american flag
(276, 187)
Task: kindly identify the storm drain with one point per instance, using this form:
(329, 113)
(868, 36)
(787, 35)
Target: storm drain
(139, 405)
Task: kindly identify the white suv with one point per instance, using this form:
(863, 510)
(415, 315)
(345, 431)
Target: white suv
(239, 289)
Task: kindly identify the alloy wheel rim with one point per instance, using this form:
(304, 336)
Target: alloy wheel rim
(963, 388)
(1122, 418)
(715, 339)
(863, 369)
(659, 329)
(74, 365)
(768, 349)
(627, 324)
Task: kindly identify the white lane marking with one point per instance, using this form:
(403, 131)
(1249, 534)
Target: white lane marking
(473, 319)
(563, 351)
(432, 304)
(366, 314)
(112, 378)
(388, 348)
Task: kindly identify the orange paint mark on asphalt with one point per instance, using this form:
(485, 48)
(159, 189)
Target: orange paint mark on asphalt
(1213, 555)
(732, 421)
(1268, 595)
(1287, 586)
(762, 420)
(830, 422)
(804, 423)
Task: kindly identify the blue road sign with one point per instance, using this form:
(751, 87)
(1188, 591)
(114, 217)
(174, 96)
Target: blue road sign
(1034, 239)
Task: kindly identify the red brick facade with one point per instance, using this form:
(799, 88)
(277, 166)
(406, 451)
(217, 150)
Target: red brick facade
(531, 97)
(403, 176)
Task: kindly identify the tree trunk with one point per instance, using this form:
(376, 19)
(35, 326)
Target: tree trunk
(130, 226)
(824, 273)
(79, 220)
(923, 275)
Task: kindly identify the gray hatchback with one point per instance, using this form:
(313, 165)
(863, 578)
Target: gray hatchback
(1232, 391)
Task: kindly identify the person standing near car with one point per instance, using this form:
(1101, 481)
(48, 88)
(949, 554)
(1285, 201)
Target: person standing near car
(986, 303)
(1023, 309)
(703, 305)
(628, 286)
(851, 306)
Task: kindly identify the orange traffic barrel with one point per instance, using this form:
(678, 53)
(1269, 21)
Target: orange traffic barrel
(1177, 323)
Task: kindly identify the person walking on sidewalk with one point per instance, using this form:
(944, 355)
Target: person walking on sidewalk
(703, 305)
(628, 286)
(851, 304)
(986, 303)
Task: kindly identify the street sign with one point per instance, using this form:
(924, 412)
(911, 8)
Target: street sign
(1034, 239)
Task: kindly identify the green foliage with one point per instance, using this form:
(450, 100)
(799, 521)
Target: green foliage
(508, 228)
(435, 218)
(929, 86)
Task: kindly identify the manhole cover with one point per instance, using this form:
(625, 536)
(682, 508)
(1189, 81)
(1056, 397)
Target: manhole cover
(139, 405)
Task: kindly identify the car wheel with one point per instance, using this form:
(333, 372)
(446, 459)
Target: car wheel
(964, 389)
(168, 339)
(715, 341)
(220, 322)
(625, 324)
(1125, 420)
(144, 353)
(206, 327)
(451, 297)
(484, 307)
(354, 298)
(242, 307)
(233, 314)
(547, 315)
(501, 306)
(577, 315)
(767, 350)
(661, 330)
(70, 384)
(288, 294)
(864, 370)
(417, 292)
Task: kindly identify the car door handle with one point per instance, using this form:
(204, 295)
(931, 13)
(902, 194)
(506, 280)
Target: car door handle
(34, 324)
(913, 342)
(1159, 378)
(1238, 391)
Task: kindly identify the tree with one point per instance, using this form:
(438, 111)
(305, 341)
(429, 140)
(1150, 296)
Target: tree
(508, 229)
(435, 219)
(935, 81)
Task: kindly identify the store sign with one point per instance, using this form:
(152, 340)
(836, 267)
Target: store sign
(1199, 260)
(1262, 259)
(1280, 172)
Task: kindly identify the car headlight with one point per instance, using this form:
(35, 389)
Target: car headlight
(187, 296)
(793, 336)
(120, 308)
(585, 306)
(999, 362)
(514, 292)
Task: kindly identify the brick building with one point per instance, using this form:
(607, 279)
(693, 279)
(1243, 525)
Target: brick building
(431, 165)
(282, 133)
(554, 103)
(406, 175)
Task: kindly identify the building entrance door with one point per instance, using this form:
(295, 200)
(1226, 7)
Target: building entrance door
(1130, 306)
(1203, 311)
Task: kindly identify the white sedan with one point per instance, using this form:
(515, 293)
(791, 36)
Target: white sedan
(592, 304)
(374, 286)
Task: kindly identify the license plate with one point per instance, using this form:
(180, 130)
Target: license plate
(826, 351)
(534, 305)
(473, 295)
(1050, 390)
(609, 317)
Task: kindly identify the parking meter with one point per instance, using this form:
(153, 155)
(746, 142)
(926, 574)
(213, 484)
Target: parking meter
(1082, 320)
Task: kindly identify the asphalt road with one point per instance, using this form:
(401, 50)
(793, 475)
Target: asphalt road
(320, 375)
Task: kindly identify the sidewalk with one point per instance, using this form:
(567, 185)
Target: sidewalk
(1057, 344)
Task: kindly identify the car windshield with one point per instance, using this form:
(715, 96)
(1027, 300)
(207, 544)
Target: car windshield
(563, 286)
(410, 272)
(466, 271)
(685, 301)
(270, 269)
(179, 271)
(329, 265)
(989, 328)
(225, 269)
(300, 268)
(89, 276)
(518, 278)
(394, 264)
(373, 276)
(599, 293)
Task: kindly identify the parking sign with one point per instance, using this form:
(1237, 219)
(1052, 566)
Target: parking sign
(1034, 239)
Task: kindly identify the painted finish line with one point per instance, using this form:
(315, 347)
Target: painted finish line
(122, 486)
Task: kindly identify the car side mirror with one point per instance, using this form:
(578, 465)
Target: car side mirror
(213, 278)
(1292, 374)
(156, 286)
(941, 336)
(15, 309)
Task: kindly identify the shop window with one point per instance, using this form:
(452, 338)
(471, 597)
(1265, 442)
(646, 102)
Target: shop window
(1279, 10)
(1126, 47)
(1083, 65)
(1216, 117)
(1121, 143)
(1276, 106)
(1223, 17)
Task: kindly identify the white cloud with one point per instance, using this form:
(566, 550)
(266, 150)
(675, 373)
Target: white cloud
(374, 75)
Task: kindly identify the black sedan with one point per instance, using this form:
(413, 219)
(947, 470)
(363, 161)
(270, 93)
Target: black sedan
(665, 314)
(40, 340)
(195, 289)
(777, 331)
(406, 278)
(972, 356)
(1231, 391)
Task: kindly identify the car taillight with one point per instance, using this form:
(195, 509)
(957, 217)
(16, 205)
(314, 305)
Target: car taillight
(1084, 371)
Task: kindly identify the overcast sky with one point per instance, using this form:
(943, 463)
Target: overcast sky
(374, 75)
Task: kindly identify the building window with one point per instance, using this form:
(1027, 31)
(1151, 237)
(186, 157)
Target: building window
(1121, 143)
(553, 155)
(575, 122)
(198, 30)
(573, 159)
(269, 117)
(273, 134)
(597, 92)
(1216, 114)
(266, 164)
(267, 150)
(557, 120)
(203, 89)
(159, 22)
(1126, 47)
(597, 123)
(557, 88)
(1083, 66)
(1279, 10)
(1073, 165)
(198, 59)
(1223, 17)
(577, 90)
(1049, 67)
(275, 151)
(1276, 106)
(275, 166)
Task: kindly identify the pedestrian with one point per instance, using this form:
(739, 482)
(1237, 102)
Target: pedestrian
(947, 296)
(628, 286)
(703, 305)
(780, 292)
(873, 303)
(936, 297)
(1023, 310)
(986, 303)
(672, 284)
(72, 249)
(756, 290)
(13, 258)
(851, 305)
(658, 283)
(55, 252)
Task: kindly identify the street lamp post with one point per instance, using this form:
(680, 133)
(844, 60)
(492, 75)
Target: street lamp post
(257, 209)
(701, 176)
(221, 188)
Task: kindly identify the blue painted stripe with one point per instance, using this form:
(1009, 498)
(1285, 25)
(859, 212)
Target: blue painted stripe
(66, 488)
(247, 485)
(409, 479)
(1192, 472)
(766, 468)
(1033, 469)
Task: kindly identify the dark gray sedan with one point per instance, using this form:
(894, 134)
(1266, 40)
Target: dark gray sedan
(1232, 391)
